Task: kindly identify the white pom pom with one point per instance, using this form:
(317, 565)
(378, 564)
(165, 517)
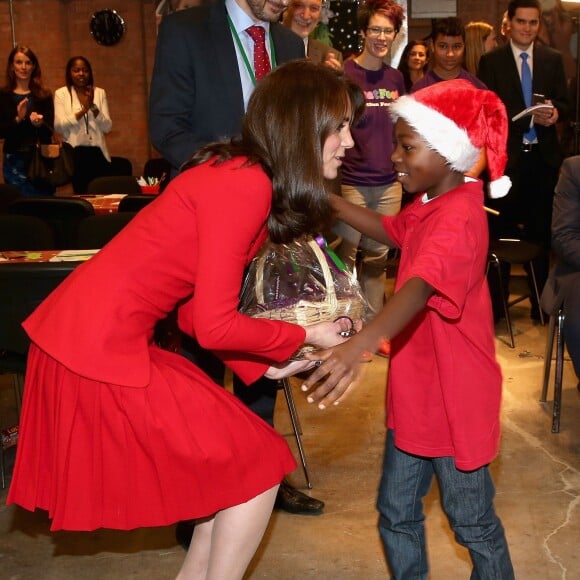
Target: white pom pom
(500, 187)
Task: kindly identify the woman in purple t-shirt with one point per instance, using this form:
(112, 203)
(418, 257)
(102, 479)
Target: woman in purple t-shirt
(368, 177)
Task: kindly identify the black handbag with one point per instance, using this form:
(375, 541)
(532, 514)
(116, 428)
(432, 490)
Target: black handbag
(51, 164)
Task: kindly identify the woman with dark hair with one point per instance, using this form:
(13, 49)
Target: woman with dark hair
(81, 116)
(26, 117)
(368, 177)
(414, 62)
(120, 434)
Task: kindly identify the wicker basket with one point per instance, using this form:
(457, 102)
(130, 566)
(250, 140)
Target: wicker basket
(305, 312)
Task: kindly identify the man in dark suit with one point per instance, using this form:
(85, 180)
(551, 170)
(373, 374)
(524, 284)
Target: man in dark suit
(200, 85)
(202, 81)
(534, 158)
(563, 287)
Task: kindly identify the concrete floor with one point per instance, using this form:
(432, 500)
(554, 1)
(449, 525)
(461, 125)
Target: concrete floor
(537, 476)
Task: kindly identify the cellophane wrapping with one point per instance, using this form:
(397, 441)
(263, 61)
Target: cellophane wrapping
(302, 283)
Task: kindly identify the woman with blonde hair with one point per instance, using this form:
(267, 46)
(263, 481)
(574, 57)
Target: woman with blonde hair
(480, 37)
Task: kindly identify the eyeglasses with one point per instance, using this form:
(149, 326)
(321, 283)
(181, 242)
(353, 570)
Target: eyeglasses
(376, 31)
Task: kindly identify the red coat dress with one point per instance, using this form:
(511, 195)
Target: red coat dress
(118, 433)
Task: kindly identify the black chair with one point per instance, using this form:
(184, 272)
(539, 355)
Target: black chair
(285, 385)
(158, 168)
(23, 286)
(24, 232)
(120, 166)
(516, 252)
(97, 230)
(134, 203)
(555, 330)
(114, 184)
(61, 214)
(8, 193)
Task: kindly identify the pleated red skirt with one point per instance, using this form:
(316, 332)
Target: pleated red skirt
(97, 455)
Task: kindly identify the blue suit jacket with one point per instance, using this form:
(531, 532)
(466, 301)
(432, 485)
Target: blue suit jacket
(498, 70)
(196, 91)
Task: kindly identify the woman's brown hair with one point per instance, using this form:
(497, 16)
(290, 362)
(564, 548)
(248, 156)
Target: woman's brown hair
(35, 85)
(290, 115)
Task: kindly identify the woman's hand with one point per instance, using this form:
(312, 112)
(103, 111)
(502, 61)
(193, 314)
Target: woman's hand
(290, 368)
(36, 119)
(327, 334)
(21, 110)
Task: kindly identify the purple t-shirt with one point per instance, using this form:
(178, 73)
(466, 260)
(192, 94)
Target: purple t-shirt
(431, 78)
(368, 163)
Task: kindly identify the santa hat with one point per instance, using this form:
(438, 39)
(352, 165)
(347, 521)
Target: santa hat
(457, 120)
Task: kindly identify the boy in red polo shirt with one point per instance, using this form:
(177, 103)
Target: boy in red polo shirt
(444, 385)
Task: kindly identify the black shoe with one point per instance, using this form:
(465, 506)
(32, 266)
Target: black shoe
(290, 500)
(184, 532)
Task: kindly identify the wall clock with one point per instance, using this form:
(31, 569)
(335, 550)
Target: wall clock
(107, 27)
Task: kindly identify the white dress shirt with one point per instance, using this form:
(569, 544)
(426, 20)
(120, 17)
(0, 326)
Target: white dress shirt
(88, 130)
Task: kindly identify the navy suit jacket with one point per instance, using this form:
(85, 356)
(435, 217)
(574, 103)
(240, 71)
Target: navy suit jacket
(196, 91)
(565, 276)
(499, 71)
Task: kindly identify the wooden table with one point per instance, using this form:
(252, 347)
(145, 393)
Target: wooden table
(45, 256)
(104, 204)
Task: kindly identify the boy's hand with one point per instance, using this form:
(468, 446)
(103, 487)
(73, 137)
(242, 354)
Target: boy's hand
(338, 372)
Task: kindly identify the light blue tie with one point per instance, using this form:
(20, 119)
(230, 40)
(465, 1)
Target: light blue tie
(530, 134)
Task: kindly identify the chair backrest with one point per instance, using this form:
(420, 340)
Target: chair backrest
(22, 288)
(159, 168)
(156, 167)
(114, 184)
(135, 202)
(61, 214)
(8, 193)
(24, 232)
(97, 230)
(121, 166)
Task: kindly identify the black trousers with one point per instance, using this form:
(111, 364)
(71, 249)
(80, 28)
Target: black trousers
(89, 164)
(525, 214)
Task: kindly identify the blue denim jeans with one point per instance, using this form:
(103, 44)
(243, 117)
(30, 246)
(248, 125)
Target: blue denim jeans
(467, 499)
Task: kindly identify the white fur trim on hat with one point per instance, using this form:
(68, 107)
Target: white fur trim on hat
(438, 131)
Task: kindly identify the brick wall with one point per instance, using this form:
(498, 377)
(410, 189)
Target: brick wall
(58, 29)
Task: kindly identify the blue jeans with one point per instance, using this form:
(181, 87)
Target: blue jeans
(467, 499)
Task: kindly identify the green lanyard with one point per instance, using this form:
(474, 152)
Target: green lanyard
(249, 68)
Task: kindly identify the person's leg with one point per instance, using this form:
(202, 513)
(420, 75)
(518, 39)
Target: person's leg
(196, 560)
(467, 499)
(572, 325)
(347, 250)
(387, 201)
(235, 536)
(223, 546)
(260, 397)
(404, 483)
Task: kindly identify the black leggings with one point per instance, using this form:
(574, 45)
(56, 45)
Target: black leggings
(89, 163)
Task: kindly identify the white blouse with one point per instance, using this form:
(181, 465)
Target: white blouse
(88, 130)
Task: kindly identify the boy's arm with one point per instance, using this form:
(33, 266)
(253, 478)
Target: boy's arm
(366, 221)
(341, 363)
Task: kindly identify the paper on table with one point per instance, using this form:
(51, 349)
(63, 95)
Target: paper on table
(531, 110)
(73, 255)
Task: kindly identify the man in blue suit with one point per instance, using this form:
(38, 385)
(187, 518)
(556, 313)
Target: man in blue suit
(202, 81)
(533, 159)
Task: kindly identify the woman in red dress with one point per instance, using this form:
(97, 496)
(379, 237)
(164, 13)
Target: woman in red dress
(118, 433)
